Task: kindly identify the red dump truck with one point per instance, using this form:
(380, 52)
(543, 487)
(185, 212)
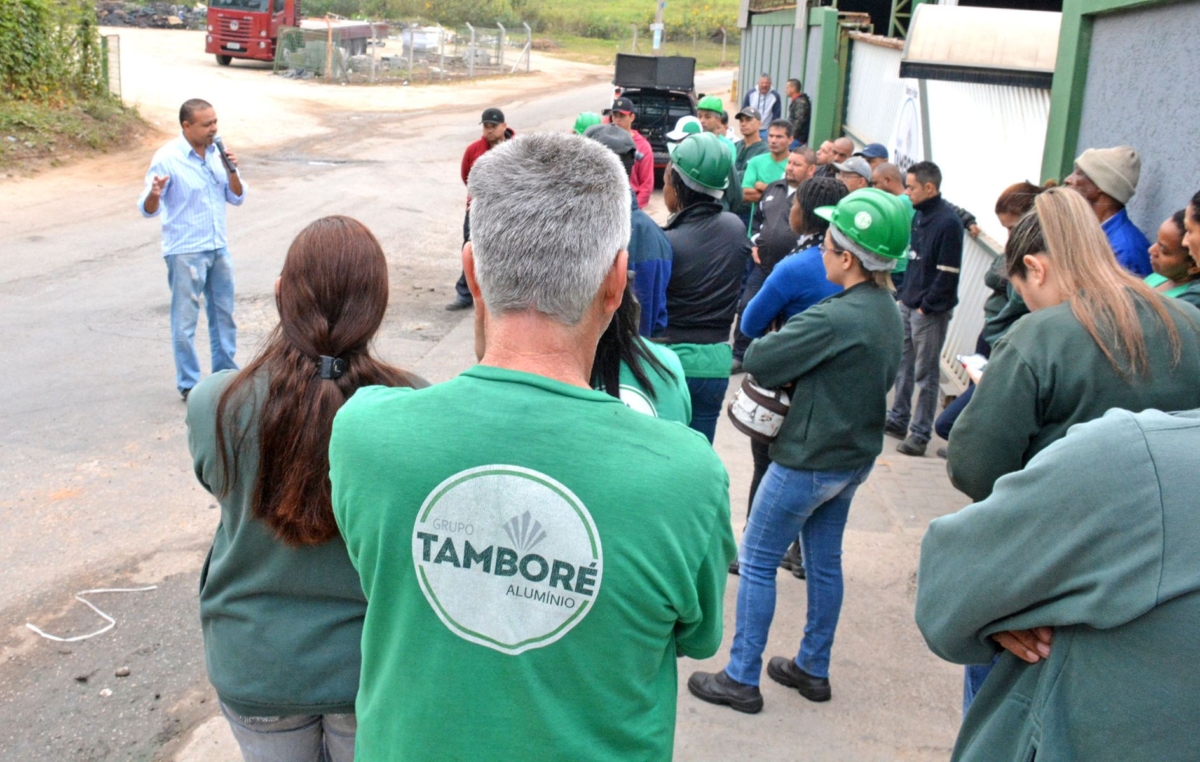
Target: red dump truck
(250, 29)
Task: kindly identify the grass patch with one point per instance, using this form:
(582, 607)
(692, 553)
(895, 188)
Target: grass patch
(37, 133)
(604, 52)
(611, 18)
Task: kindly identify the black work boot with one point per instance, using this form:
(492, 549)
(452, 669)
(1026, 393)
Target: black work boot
(785, 672)
(720, 688)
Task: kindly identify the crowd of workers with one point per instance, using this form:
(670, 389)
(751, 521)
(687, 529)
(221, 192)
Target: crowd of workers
(506, 565)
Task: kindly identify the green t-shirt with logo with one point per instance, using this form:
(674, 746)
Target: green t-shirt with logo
(671, 400)
(534, 556)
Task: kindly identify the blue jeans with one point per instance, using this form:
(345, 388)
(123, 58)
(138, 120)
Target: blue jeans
(297, 738)
(190, 276)
(945, 421)
(814, 504)
(973, 677)
(920, 364)
(708, 396)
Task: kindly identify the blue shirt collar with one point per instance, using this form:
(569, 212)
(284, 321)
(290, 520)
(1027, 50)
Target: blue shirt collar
(186, 148)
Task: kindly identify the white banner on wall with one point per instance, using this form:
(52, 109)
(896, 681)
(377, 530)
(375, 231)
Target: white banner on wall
(907, 143)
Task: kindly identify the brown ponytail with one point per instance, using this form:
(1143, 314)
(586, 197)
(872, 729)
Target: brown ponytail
(332, 296)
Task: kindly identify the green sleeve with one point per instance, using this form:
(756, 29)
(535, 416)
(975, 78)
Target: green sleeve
(751, 175)
(1060, 543)
(998, 325)
(699, 631)
(201, 418)
(804, 342)
(995, 430)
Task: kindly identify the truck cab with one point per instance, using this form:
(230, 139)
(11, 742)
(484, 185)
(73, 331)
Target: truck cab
(247, 28)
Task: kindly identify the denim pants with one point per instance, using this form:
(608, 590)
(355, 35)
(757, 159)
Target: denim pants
(814, 504)
(973, 677)
(298, 738)
(945, 421)
(754, 284)
(191, 276)
(708, 396)
(460, 286)
(920, 363)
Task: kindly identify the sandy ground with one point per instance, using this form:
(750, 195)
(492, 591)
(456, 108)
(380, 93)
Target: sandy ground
(96, 488)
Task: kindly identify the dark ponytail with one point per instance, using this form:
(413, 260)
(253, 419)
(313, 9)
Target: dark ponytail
(619, 343)
(333, 293)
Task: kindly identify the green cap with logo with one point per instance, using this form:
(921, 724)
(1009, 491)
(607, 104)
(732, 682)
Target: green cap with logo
(711, 103)
(585, 120)
(703, 162)
(873, 220)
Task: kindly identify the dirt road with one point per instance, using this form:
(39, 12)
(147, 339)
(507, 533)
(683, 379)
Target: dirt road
(96, 488)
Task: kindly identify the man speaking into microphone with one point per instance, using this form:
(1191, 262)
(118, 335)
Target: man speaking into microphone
(190, 180)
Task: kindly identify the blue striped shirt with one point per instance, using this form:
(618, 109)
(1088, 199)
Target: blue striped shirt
(193, 200)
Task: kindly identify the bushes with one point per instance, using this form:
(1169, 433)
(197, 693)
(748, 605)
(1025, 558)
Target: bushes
(50, 51)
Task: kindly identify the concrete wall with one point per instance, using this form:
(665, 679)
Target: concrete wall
(1140, 75)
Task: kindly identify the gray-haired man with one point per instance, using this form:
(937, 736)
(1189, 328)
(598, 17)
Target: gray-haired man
(493, 514)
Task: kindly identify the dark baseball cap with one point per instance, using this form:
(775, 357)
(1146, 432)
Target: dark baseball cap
(622, 106)
(492, 116)
(750, 113)
(873, 151)
(611, 136)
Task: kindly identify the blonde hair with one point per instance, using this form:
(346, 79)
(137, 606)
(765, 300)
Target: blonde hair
(1102, 295)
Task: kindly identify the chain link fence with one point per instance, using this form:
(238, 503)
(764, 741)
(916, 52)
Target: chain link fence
(407, 55)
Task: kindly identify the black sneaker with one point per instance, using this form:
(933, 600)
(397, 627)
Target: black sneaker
(720, 688)
(943, 453)
(459, 304)
(892, 430)
(785, 672)
(911, 446)
(793, 562)
(735, 567)
(184, 393)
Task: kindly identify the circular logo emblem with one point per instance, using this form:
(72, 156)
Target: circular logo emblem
(636, 399)
(507, 557)
(862, 220)
(233, 26)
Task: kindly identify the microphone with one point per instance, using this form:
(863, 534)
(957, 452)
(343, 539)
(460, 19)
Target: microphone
(220, 144)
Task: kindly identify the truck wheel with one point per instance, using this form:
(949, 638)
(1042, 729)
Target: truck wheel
(224, 60)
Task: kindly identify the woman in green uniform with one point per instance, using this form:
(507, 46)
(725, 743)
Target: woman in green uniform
(280, 603)
(1096, 338)
(646, 376)
(842, 356)
(1174, 268)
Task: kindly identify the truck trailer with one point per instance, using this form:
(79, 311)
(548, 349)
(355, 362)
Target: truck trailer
(250, 29)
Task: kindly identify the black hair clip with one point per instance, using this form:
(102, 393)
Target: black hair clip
(332, 367)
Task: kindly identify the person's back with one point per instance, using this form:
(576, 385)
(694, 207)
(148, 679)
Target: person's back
(1048, 374)
(534, 553)
(796, 283)
(1106, 557)
(710, 250)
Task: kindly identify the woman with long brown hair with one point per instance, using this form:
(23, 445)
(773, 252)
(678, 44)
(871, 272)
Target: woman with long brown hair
(280, 604)
(1096, 338)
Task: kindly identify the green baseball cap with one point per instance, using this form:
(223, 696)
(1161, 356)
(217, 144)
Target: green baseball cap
(711, 103)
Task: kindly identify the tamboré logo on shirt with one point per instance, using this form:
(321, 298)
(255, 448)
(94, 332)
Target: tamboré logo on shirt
(507, 557)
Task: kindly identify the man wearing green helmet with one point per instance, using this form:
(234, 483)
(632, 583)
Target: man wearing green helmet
(710, 250)
(709, 111)
(841, 356)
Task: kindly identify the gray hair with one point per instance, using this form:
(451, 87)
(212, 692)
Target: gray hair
(549, 212)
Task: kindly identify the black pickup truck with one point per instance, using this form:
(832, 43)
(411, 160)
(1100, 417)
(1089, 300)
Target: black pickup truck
(662, 89)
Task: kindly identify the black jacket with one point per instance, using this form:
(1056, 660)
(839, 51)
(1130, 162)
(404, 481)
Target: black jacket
(931, 282)
(771, 228)
(710, 252)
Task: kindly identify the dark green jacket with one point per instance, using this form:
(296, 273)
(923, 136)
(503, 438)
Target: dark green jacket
(843, 354)
(282, 625)
(1048, 374)
(1097, 537)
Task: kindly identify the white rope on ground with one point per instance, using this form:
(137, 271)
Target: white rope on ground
(79, 597)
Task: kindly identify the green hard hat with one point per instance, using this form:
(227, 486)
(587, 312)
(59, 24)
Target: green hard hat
(703, 161)
(874, 219)
(585, 120)
(711, 103)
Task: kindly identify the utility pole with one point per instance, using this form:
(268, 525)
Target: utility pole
(657, 26)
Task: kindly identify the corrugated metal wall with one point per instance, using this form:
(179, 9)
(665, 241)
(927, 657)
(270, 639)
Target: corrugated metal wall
(984, 138)
(772, 45)
(875, 92)
(812, 67)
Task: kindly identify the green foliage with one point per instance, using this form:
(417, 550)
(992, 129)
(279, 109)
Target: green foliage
(50, 51)
(32, 132)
